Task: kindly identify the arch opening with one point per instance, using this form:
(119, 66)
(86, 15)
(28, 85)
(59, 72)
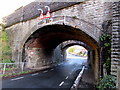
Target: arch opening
(44, 49)
(77, 54)
(77, 50)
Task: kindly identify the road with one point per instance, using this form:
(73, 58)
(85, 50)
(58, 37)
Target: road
(61, 76)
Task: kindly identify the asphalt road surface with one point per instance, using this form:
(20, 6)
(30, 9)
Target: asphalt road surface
(61, 76)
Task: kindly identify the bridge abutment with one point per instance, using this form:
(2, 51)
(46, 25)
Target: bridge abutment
(36, 58)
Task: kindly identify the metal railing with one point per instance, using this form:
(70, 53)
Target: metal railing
(17, 67)
(11, 67)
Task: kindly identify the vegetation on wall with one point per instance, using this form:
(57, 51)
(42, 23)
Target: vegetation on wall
(5, 55)
(105, 42)
(107, 83)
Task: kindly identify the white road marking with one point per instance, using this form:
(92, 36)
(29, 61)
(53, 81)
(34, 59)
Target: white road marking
(45, 71)
(79, 76)
(17, 78)
(73, 70)
(66, 77)
(61, 83)
(34, 74)
(52, 69)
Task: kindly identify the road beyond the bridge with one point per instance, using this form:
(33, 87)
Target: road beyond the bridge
(61, 76)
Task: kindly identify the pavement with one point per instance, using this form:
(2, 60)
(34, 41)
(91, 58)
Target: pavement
(88, 81)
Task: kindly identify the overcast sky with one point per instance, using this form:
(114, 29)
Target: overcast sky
(8, 6)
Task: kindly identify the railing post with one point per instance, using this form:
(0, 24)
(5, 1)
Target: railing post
(4, 68)
(23, 65)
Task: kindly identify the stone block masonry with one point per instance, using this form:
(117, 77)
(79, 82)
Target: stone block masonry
(115, 55)
(118, 79)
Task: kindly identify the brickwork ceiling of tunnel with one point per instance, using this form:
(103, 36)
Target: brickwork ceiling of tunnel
(73, 44)
(52, 35)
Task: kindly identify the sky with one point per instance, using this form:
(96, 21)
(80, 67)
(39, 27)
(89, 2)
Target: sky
(8, 6)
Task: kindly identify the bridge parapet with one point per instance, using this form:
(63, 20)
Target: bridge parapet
(30, 11)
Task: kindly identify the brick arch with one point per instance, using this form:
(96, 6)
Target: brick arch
(74, 42)
(84, 27)
(90, 29)
(69, 43)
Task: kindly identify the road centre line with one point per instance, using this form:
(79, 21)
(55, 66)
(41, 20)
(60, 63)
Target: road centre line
(52, 69)
(61, 83)
(45, 71)
(17, 78)
(34, 74)
(66, 77)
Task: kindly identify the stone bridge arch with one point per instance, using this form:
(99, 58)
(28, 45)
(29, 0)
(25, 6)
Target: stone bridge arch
(90, 29)
(74, 42)
(88, 32)
(69, 43)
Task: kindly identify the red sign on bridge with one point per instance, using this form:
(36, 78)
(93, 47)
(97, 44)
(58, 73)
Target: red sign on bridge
(48, 15)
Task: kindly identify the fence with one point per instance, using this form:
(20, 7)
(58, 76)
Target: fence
(22, 67)
(10, 68)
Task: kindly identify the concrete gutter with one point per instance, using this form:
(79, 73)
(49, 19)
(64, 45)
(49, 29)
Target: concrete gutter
(78, 79)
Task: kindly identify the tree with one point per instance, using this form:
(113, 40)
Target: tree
(71, 50)
(5, 50)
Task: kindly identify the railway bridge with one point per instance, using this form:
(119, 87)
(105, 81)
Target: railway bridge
(39, 41)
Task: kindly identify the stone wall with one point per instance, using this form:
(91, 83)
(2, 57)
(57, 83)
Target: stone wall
(91, 11)
(30, 11)
(115, 56)
(36, 58)
(118, 79)
(58, 56)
